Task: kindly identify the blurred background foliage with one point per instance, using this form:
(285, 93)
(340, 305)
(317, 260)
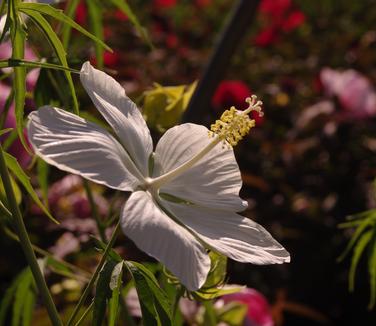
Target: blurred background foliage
(308, 164)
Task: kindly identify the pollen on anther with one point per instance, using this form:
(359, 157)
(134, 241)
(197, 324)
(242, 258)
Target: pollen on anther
(234, 125)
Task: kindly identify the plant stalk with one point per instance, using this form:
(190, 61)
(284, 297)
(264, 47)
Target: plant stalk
(26, 244)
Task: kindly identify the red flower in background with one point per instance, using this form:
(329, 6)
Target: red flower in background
(81, 13)
(233, 93)
(258, 312)
(164, 3)
(279, 15)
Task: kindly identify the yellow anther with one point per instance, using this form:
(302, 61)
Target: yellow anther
(234, 125)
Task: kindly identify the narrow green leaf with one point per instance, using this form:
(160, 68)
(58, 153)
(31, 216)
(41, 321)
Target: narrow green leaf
(16, 190)
(359, 230)
(233, 313)
(22, 177)
(358, 250)
(59, 15)
(124, 7)
(112, 253)
(4, 131)
(28, 308)
(43, 170)
(372, 270)
(6, 300)
(102, 293)
(70, 10)
(115, 286)
(96, 23)
(51, 36)
(34, 64)
(24, 284)
(18, 37)
(155, 305)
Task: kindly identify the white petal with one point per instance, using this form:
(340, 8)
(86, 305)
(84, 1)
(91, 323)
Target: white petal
(144, 222)
(213, 182)
(233, 235)
(77, 146)
(121, 113)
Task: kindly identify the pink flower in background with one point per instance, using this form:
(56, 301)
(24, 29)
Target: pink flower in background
(354, 91)
(278, 15)
(16, 149)
(232, 93)
(258, 313)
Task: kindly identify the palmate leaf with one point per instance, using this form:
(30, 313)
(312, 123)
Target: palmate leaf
(22, 177)
(155, 305)
(58, 47)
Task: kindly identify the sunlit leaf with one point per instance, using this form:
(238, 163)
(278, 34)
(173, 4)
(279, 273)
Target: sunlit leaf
(59, 15)
(51, 36)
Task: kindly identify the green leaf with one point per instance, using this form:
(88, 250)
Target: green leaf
(6, 300)
(33, 64)
(358, 250)
(18, 37)
(28, 308)
(4, 131)
(372, 270)
(102, 292)
(115, 286)
(96, 23)
(233, 313)
(155, 305)
(112, 253)
(359, 230)
(43, 170)
(124, 7)
(58, 47)
(22, 177)
(16, 190)
(59, 15)
(70, 10)
(24, 287)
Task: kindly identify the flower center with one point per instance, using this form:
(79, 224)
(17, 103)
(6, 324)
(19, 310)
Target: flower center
(234, 125)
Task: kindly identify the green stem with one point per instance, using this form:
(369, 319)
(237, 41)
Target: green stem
(94, 211)
(26, 244)
(80, 273)
(128, 320)
(179, 293)
(82, 318)
(95, 275)
(210, 317)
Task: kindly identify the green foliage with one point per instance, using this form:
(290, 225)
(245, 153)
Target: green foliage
(22, 177)
(154, 302)
(364, 237)
(22, 292)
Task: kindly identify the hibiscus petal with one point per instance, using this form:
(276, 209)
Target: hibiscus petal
(144, 222)
(213, 182)
(121, 113)
(77, 146)
(232, 235)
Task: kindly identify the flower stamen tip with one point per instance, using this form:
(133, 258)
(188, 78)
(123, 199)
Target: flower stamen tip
(234, 124)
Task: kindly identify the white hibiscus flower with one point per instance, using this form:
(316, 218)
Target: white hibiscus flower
(185, 195)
